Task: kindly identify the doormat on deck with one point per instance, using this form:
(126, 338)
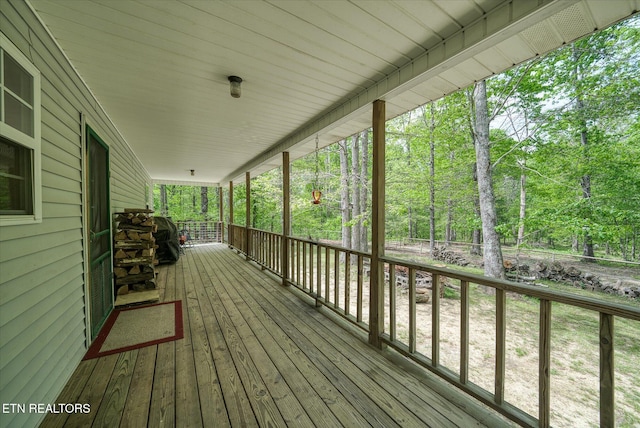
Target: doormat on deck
(134, 328)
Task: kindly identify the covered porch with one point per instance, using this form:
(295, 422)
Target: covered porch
(256, 353)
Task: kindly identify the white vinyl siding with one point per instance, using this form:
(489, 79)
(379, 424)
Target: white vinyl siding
(42, 265)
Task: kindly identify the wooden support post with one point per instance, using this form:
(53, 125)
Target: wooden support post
(286, 217)
(607, 383)
(248, 215)
(376, 299)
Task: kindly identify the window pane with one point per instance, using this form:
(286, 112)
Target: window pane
(15, 178)
(18, 115)
(17, 80)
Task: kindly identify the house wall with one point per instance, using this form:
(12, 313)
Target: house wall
(42, 270)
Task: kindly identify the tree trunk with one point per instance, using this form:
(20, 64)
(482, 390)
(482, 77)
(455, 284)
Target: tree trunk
(432, 182)
(344, 193)
(204, 202)
(493, 264)
(355, 184)
(448, 230)
(523, 207)
(364, 185)
(476, 235)
(164, 207)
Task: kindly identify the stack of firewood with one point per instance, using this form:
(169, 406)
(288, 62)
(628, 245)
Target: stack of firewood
(448, 256)
(134, 247)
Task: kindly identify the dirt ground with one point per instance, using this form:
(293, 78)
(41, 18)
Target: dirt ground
(574, 350)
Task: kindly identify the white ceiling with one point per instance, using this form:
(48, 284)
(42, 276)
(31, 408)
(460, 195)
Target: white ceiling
(160, 67)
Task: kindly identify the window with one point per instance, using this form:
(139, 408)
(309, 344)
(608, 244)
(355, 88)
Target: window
(20, 175)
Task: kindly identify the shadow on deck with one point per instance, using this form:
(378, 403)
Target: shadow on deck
(258, 354)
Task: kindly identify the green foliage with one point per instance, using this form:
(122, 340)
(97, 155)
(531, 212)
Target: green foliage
(185, 202)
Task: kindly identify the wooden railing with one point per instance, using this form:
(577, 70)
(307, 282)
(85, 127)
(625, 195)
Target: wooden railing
(338, 279)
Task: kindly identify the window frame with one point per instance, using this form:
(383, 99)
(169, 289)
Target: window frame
(31, 143)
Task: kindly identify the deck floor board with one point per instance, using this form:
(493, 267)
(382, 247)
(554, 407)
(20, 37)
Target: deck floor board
(255, 353)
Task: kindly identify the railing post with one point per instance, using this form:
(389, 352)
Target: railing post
(286, 218)
(376, 299)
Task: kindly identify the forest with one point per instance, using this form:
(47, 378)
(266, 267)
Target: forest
(544, 155)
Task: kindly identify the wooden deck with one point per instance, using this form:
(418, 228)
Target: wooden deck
(257, 354)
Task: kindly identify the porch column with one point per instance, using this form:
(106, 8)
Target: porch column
(286, 218)
(230, 233)
(248, 216)
(376, 299)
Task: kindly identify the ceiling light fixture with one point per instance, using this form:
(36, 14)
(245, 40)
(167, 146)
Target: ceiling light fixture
(235, 82)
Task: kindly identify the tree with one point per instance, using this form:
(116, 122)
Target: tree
(204, 202)
(493, 264)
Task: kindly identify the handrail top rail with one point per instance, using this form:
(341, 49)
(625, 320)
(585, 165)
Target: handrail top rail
(312, 242)
(617, 309)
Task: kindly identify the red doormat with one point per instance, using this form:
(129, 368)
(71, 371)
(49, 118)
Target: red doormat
(134, 328)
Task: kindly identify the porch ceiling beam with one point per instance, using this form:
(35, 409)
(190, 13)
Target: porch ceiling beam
(504, 21)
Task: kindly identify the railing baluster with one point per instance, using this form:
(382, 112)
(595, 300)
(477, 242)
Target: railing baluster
(501, 329)
(298, 262)
(304, 265)
(412, 310)
(544, 377)
(327, 269)
(360, 284)
(275, 244)
(336, 279)
(347, 280)
(269, 251)
(319, 271)
(435, 320)
(607, 382)
(292, 256)
(310, 273)
(464, 331)
(278, 261)
(392, 301)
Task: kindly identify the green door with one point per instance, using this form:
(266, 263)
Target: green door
(100, 279)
